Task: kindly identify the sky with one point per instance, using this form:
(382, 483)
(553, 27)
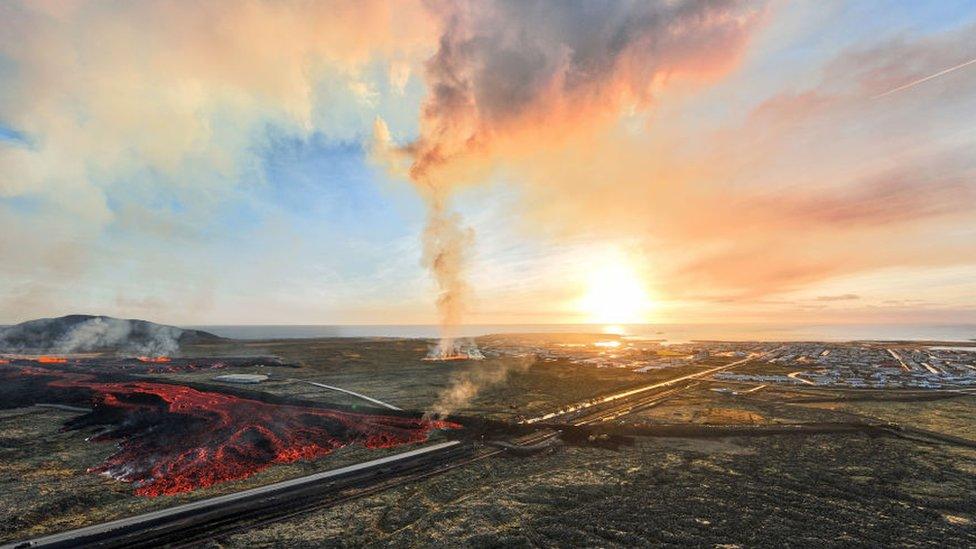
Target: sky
(295, 162)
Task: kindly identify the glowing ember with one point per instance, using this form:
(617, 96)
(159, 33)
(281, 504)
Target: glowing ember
(166, 365)
(152, 364)
(4, 361)
(175, 439)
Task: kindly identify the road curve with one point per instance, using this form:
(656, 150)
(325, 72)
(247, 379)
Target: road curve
(348, 392)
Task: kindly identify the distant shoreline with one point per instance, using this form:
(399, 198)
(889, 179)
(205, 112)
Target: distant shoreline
(915, 333)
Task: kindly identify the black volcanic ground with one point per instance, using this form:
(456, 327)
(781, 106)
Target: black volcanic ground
(839, 489)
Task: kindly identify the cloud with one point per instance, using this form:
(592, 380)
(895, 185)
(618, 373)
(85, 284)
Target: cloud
(839, 297)
(510, 73)
(125, 148)
(147, 131)
(183, 90)
(811, 185)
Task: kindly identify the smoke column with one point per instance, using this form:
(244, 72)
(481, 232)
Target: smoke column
(445, 244)
(512, 76)
(446, 241)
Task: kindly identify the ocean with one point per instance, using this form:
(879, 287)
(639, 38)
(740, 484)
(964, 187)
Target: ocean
(669, 332)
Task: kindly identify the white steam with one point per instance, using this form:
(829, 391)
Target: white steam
(452, 348)
(74, 334)
(114, 333)
(466, 384)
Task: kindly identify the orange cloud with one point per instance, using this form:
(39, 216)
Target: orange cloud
(810, 186)
(118, 99)
(515, 75)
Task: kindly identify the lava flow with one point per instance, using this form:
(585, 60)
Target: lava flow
(152, 365)
(154, 359)
(175, 439)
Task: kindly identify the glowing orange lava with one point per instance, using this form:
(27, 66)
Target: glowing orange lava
(173, 439)
(52, 360)
(154, 359)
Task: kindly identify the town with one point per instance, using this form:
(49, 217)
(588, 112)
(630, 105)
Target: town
(869, 365)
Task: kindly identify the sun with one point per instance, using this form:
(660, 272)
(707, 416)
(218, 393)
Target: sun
(615, 294)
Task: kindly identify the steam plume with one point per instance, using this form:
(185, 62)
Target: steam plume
(446, 243)
(102, 333)
(466, 384)
(511, 72)
(79, 333)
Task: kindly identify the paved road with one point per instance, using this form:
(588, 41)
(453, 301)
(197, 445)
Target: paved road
(632, 392)
(897, 357)
(74, 538)
(437, 457)
(796, 376)
(347, 391)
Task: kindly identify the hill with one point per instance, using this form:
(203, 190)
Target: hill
(82, 333)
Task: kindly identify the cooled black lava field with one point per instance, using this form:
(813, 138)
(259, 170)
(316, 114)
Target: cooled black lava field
(800, 489)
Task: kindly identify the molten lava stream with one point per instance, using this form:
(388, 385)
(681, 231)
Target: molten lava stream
(154, 359)
(175, 439)
(51, 360)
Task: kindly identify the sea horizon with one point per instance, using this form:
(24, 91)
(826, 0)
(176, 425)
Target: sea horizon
(963, 332)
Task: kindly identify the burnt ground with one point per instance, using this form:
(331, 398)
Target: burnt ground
(392, 370)
(46, 487)
(780, 490)
(822, 490)
(795, 490)
(43, 470)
